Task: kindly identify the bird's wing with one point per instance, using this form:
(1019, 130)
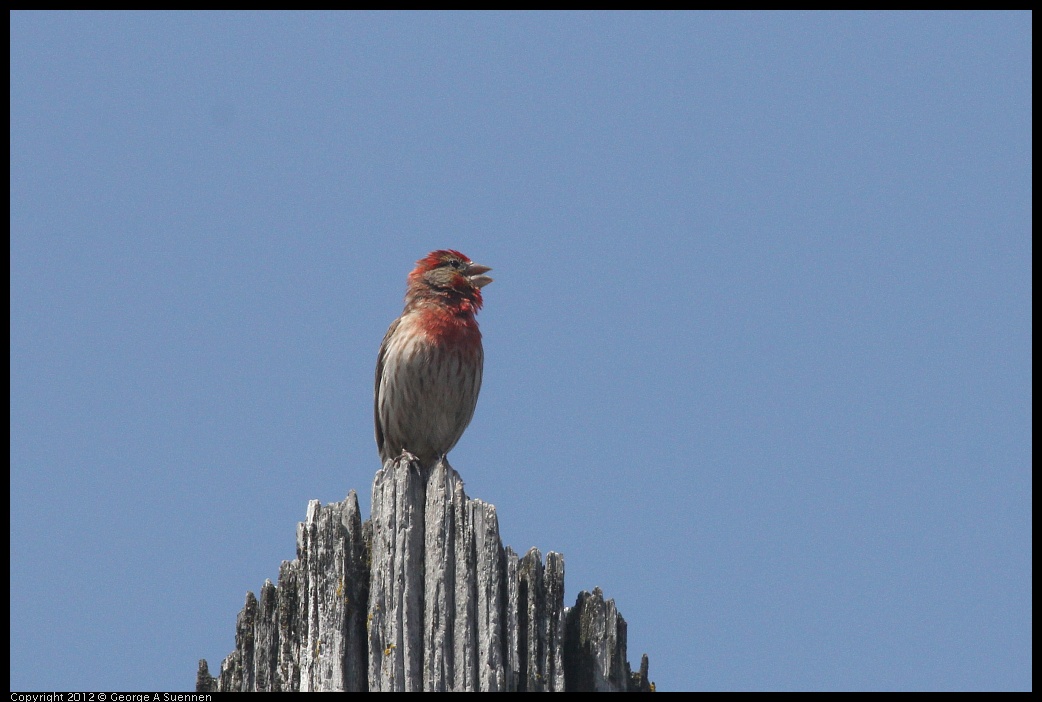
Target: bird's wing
(376, 390)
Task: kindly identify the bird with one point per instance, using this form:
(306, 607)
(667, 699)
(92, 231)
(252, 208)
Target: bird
(428, 370)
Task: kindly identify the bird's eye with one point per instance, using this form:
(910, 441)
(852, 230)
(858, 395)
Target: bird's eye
(455, 263)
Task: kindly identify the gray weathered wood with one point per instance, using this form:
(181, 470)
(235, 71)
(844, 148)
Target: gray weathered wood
(596, 654)
(421, 597)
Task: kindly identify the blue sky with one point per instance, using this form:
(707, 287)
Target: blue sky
(758, 350)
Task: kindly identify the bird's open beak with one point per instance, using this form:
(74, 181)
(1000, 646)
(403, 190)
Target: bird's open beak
(476, 274)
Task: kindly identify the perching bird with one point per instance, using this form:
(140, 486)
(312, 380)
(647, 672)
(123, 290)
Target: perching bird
(428, 372)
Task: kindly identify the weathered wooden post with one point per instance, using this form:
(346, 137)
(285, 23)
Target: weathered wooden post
(423, 596)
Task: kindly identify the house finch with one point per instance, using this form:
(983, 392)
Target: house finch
(428, 373)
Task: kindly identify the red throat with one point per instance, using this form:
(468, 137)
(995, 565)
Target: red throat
(451, 326)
